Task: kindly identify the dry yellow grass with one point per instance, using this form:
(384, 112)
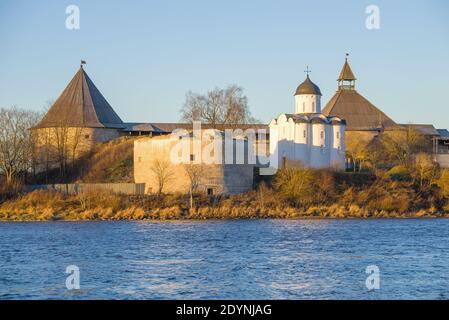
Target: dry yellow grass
(110, 162)
(343, 197)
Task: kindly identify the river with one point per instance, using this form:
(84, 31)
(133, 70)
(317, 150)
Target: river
(239, 259)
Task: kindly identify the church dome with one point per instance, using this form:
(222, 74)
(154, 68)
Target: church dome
(308, 87)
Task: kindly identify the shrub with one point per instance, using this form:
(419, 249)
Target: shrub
(399, 173)
(443, 183)
(304, 187)
(293, 183)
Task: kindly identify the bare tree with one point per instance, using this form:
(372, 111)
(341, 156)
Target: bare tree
(76, 139)
(66, 142)
(401, 146)
(163, 171)
(217, 107)
(426, 170)
(195, 173)
(61, 136)
(356, 150)
(236, 106)
(45, 149)
(16, 141)
(33, 151)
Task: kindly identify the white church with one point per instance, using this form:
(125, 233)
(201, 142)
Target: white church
(307, 137)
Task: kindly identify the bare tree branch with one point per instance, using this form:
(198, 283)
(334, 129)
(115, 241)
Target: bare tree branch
(163, 171)
(16, 141)
(217, 107)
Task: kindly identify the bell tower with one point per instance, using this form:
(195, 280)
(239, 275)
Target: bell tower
(346, 79)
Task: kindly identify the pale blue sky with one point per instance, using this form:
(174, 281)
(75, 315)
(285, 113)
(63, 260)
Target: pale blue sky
(145, 55)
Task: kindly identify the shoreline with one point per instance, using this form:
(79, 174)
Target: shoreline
(229, 219)
(187, 219)
(103, 206)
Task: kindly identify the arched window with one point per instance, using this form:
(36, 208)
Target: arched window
(338, 135)
(304, 133)
(303, 107)
(313, 106)
(322, 134)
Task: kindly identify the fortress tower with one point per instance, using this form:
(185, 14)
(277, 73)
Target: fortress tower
(80, 118)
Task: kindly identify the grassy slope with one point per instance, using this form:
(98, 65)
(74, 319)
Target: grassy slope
(110, 162)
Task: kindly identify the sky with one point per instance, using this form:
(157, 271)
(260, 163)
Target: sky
(144, 56)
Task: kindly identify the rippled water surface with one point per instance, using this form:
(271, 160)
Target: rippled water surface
(258, 259)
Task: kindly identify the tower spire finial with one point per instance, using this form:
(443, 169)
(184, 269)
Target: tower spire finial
(346, 56)
(82, 62)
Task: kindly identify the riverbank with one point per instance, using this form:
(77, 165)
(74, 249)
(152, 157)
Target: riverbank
(53, 206)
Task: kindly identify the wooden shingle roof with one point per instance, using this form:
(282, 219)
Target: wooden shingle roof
(346, 73)
(81, 104)
(424, 129)
(359, 113)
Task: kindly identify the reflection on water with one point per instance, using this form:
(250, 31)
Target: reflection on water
(255, 259)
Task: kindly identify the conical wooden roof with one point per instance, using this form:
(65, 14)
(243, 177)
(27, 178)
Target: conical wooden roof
(346, 73)
(81, 105)
(359, 113)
